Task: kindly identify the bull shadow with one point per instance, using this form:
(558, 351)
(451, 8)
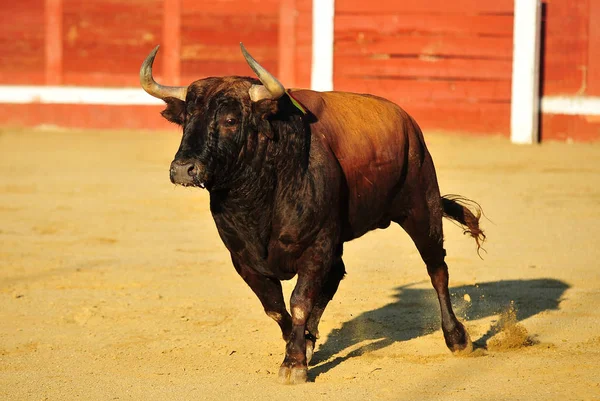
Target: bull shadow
(415, 312)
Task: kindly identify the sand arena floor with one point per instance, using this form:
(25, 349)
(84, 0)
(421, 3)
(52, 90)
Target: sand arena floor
(114, 284)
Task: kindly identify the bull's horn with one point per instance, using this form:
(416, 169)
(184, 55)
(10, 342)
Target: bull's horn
(154, 88)
(274, 88)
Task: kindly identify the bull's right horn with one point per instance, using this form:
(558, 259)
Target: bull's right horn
(154, 88)
(271, 88)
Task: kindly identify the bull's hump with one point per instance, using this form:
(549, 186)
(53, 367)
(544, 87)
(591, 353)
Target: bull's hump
(368, 135)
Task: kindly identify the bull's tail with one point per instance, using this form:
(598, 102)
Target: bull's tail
(466, 213)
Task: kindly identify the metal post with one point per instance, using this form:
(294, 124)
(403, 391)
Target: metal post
(322, 45)
(525, 103)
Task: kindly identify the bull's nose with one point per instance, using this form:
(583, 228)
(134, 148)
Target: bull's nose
(183, 172)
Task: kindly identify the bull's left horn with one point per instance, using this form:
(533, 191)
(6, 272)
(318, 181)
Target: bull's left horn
(274, 88)
(154, 88)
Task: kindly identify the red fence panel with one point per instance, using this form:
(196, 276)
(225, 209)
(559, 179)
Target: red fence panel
(212, 31)
(104, 41)
(447, 63)
(22, 43)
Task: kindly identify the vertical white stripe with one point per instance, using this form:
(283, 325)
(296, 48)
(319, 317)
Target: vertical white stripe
(322, 45)
(525, 100)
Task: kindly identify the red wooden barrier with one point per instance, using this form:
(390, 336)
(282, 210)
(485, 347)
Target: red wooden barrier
(571, 64)
(104, 40)
(22, 35)
(446, 62)
(593, 63)
(287, 43)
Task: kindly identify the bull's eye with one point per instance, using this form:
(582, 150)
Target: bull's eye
(230, 122)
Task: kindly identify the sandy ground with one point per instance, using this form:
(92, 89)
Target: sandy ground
(115, 286)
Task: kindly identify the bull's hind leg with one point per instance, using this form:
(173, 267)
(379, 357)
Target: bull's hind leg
(424, 226)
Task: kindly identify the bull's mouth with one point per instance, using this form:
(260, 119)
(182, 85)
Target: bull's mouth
(194, 182)
(191, 184)
(199, 183)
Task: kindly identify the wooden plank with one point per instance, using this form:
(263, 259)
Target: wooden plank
(354, 44)
(95, 33)
(287, 43)
(443, 115)
(565, 47)
(303, 43)
(194, 70)
(200, 29)
(210, 47)
(10, 77)
(203, 37)
(171, 48)
(408, 90)
(489, 25)
(210, 42)
(131, 79)
(484, 118)
(105, 67)
(490, 119)
(22, 43)
(53, 43)
(85, 116)
(247, 8)
(593, 62)
(430, 7)
(109, 39)
(230, 52)
(575, 128)
(563, 78)
(424, 67)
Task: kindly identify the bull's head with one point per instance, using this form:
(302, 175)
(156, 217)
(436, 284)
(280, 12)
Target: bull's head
(224, 120)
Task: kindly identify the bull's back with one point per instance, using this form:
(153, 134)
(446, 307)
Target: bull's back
(371, 138)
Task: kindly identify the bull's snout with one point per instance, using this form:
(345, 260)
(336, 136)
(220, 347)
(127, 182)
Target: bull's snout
(185, 173)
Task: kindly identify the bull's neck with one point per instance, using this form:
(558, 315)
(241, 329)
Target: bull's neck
(244, 212)
(268, 164)
(257, 184)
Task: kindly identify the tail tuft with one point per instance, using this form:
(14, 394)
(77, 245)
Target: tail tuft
(458, 208)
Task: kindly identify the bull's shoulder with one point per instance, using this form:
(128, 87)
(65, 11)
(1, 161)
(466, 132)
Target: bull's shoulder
(373, 140)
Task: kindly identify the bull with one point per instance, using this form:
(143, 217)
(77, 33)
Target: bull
(293, 175)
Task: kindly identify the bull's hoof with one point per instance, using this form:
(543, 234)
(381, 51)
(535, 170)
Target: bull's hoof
(463, 349)
(459, 341)
(289, 375)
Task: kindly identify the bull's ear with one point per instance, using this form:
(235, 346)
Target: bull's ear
(175, 111)
(262, 111)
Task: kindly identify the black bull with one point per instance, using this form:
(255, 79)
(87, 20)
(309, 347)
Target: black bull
(292, 175)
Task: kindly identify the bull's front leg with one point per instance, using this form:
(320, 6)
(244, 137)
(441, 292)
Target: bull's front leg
(270, 294)
(294, 368)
